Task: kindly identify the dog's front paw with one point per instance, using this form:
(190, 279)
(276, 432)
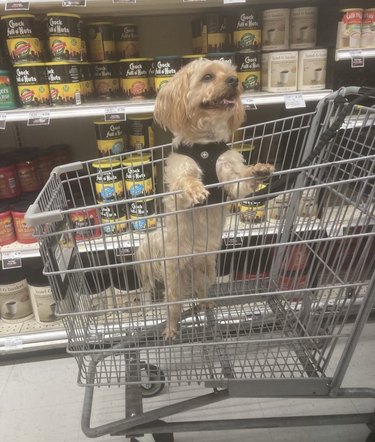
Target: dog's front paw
(261, 171)
(195, 192)
(207, 305)
(169, 333)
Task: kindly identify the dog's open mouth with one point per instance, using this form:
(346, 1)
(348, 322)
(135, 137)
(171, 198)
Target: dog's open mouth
(220, 103)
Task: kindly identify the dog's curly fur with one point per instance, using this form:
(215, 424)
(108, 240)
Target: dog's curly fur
(200, 104)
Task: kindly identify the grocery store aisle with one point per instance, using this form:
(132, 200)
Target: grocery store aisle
(40, 402)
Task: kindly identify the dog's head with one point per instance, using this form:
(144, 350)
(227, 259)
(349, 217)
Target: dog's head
(201, 103)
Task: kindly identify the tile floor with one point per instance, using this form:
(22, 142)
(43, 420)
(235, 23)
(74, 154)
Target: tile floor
(40, 402)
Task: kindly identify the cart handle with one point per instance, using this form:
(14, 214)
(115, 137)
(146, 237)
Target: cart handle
(34, 217)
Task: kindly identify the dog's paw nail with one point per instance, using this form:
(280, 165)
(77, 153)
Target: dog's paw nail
(169, 333)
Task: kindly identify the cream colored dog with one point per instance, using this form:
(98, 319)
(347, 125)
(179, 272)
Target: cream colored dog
(202, 108)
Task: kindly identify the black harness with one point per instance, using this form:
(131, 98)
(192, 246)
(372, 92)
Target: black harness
(206, 156)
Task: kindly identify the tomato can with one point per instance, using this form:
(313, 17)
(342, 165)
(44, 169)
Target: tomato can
(7, 233)
(32, 85)
(134, 81)
(101, 43)
(106, 80)
(64, 83)
(126, 40)
(64, 36)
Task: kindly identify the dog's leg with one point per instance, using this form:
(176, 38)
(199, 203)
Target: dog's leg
(204, 276)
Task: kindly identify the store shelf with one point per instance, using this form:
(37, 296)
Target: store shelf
(347, 54)
(145, 106)
(142, 7)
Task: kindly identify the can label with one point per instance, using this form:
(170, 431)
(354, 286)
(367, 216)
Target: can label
(32, 84)
(126, 39)
(64, 38)
(349, 29)
(303, 27)
(9, 183)
(6, 93)
(134, 79)
(28, 176)
(64, 83)
(87, 90)
(113, 219)
(7, 234)
(109, 186)
(106, 80)
(248, 67)
(24, 233)
(164, 70)
(252, 211)
(138, 178)
(109, 139)
(101, 43)
(368, 29)
(85, 218)
(15, 304)
(44, 305)
(140, 133)
(312, 69)
(139, 210)
(275, 30)
(247, 33)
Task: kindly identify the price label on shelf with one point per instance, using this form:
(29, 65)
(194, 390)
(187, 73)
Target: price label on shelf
(357, 60)
(249, 104)
(38, 119)
(190, 1)
(12, 343)
(294, 101)
(3, 120)
(67, 3)
(11, 260)
(124, 1)
(17, 6)
(114, 114)
(227, 2)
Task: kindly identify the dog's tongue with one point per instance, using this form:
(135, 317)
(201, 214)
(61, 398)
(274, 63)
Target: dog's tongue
(226, 101)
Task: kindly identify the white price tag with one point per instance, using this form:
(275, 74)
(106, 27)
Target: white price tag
(38, 118)
(249, 104)
(67, 3)
(226, 2)
(190, 1)
(124, 1)
(357, 60)
(115, 114)
(13, 344)
(294, 101)
(3, 120)
(17, 6)
(11, 260)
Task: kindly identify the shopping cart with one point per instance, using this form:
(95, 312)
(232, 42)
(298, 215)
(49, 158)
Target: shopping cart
(295, 274)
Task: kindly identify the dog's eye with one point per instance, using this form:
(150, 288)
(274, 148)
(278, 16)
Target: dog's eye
(208, 77)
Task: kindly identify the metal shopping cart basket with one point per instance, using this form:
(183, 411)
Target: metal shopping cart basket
(294, 287)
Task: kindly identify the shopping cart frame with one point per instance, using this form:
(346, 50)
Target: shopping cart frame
(137, 422)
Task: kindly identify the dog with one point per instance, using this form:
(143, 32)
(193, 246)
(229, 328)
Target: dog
(201, 107)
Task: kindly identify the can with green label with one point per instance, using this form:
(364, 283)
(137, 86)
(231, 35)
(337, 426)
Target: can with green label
(64, 83)
(248, 69)
(64, 35)
(247, 33)
(165, 68)
(7, 100)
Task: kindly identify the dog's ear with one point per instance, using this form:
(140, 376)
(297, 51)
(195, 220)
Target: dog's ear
(171, 106)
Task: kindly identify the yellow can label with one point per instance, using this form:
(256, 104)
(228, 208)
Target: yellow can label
(66, 93)
(127, 49)
(101, 49)
(247, 39)
(24, 50)
(64, 48)
(160, 82)
(87, 89)
(34, 95)
(135, 87)
(106, 88)
(139, 210)
(110, 225)
(216, 41)
(110, 147)
(250, 80)
(138, 179)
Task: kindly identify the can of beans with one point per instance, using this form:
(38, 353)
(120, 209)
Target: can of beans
(141, 214)
(23, 44)
(109, 138)
(165, 69)
(247, 33)
(303, 25)
(217, 33)
(113, 219)
(87, 82)
(7, 233)
(64, 83)
(134, 81)
(126, 40)
(349, 28)
(27, 170)
(9, 182)
(140, 131)
(64, 36)
(138, 176)
(248, 69)
(228, 57)
(101, 42)
(24, 233)
(368, 29)
(109, 185)
(106, 80)
(7, 99)
(32, 85)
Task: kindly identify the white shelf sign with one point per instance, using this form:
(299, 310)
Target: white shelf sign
(115, 114)
(124, 1)
(17, 6)
(3, 120)
(357, 60)
(249, 104)
(11, 260)
(227, 2)
(68, 3)
(38, 118)
(294, 101)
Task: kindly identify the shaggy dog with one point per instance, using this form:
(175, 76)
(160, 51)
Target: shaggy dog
(202, 108)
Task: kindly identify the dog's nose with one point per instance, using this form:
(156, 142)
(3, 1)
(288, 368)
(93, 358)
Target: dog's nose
(233, 81)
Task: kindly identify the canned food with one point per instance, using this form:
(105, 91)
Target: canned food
(109, 185)
(84, 55)
(248, 70)
(368, 29)
(279, 71)
(228, 57)
(64, 83)
(101, 43)
(23, 44)
(151, 78)
(85, 220)
(312, 66)
(7, 100)
(113, 219)
(87, 82)
(9, 182)
(106, 80)
(217, 35)
(27, 170)
(140, 132)
(109, 138)
(303, 23)
(126, 40)
(247, 32)
(141, 214)
(24, 233)
(275, 30)
(64, 36)
(32, 85)
(138, 176)
(186, 59)
(46, 162)
(7, 233)
(349, 28)
(134, 81)
(253, 211)
(196, 31)
(165, 69)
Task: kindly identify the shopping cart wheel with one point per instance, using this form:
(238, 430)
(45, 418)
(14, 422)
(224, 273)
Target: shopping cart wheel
(152, 373)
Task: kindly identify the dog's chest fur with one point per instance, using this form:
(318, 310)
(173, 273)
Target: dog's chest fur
(206, 156)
